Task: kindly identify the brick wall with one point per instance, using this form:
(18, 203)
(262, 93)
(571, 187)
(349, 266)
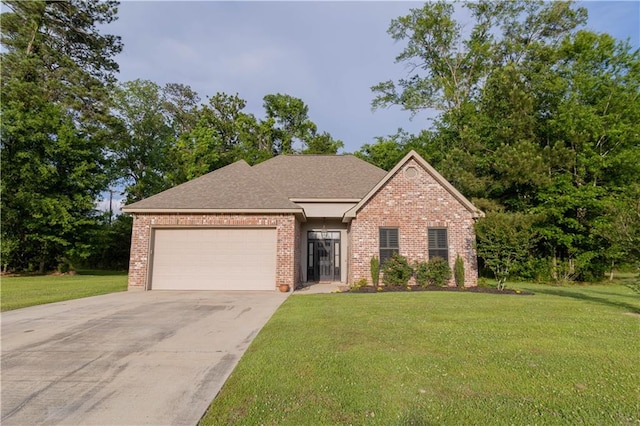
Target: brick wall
(288, 254)
(412, 204)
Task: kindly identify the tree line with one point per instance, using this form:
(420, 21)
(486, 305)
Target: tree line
(70, 132)
(538, 123)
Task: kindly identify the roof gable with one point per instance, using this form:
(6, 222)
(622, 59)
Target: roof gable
(236, 187)
(431, 171)
(320, 176)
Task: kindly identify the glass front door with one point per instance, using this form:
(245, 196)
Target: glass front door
(323, 256)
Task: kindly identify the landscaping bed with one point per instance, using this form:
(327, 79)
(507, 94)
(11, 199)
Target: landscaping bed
(393, 288)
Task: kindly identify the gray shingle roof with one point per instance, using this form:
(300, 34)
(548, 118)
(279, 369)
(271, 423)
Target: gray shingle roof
(234, 187)
(320, 176)
(269, 185)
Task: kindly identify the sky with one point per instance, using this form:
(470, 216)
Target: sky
(329, 54)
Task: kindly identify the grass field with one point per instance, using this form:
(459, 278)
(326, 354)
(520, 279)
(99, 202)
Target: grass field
(567, 355)
(20, 292)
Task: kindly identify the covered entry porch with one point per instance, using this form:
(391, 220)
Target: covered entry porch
(323, 251)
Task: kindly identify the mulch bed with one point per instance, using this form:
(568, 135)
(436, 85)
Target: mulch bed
(488, 290)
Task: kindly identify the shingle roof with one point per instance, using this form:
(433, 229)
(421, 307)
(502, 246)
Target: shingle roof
(320, 176)
(237, 186)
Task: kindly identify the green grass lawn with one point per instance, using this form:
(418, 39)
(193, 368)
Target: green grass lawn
(20, 292)
(567, 355)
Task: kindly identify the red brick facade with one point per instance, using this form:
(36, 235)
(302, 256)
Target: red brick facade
(412, 201)
(288, 250)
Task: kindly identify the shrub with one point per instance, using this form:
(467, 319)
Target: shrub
(504, 241)
(63, 267)
(396, 271)
(375, 270)
(458, 272)
(421, 273)
(359, 284)
(434, 272)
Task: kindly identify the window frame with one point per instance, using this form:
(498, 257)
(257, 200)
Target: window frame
(438, 250)
(388, 250)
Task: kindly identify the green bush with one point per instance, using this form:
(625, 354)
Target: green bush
(458, 272)
(375, 270)
(63, 267)
(396, 271)
(421, 273)
(435, 272)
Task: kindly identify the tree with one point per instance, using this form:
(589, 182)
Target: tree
(140, 151)
(535, 115)
(621, 227)
(386, 152)
(504, 240)
(291, 123)
(56, 71)
(222, 134)
(322, 144)
(448, 70)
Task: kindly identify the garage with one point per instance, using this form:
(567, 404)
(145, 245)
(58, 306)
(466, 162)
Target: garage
(213, 259)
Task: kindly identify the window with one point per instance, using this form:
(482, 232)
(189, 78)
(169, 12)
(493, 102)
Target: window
(388, 243)
(438, 246)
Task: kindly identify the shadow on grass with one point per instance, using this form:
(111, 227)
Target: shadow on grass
(581, 296)
(100, 272)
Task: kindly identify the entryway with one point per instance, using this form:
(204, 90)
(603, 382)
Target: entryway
(323, 256)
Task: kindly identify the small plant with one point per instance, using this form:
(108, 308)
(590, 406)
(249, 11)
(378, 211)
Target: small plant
(396, 271)
(435, 272)
(359, 284)
(375, 270)
(458, 272)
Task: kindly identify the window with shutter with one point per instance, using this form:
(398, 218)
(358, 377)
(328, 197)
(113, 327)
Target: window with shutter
(389, 243)
(438, 243)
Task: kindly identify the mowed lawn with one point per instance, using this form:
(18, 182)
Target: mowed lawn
(20, 292)
(567, 355)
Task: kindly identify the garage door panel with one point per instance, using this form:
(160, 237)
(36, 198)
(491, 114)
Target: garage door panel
(214, 259)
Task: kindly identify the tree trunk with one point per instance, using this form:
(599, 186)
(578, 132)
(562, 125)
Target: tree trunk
(611, 273)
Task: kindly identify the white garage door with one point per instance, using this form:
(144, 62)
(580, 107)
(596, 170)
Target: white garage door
(214, 259)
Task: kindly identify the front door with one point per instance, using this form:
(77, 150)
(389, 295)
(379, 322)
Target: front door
(323, 258)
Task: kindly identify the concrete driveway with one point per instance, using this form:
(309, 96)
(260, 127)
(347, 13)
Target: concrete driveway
(133, 358)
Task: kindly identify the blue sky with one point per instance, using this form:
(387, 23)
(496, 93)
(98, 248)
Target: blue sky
(328, 54)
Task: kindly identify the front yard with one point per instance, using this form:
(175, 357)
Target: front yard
(20, 292)
(567, 355)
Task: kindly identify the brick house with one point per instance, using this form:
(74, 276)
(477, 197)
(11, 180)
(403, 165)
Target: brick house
(296, 219)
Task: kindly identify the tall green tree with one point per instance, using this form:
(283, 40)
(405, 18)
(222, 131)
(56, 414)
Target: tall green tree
(221, 134)
(56, 70)
(535, 115)
(505, 240)
(322, 143)
(140, 150)
(291, 123)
